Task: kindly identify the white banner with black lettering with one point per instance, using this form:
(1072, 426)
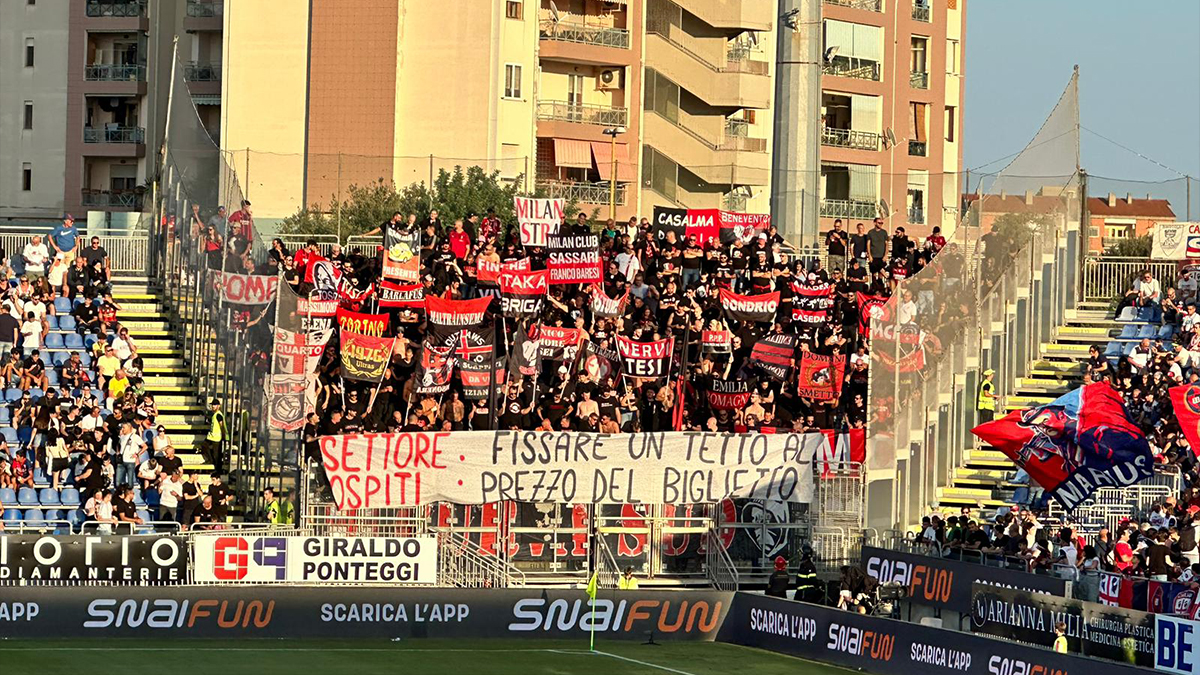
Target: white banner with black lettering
(335, 560)
(479, 467)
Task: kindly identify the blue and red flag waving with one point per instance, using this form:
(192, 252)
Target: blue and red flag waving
(1082, 441)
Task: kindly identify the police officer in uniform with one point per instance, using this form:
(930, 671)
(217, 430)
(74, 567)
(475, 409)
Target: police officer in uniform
(986, 405)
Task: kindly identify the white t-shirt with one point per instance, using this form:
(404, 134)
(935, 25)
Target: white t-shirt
(1071, 554)
(908, 312)
(122, 348)
(31, 334)
(170, 492)
(35, 256)
(1147, 289)
(131, 448)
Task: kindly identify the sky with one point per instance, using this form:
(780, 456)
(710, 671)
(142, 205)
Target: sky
(1139, 83)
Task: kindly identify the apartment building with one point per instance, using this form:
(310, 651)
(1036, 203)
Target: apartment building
(891, 112)
(663, 101)
(1114, 219)
(86, 87)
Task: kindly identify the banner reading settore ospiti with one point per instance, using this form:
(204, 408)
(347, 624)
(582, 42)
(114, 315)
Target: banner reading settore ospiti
(290, 559)
(478, 467)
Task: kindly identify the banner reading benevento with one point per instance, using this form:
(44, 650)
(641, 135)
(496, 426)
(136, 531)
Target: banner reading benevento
(359, 322)
(365, 357)
(704, 224)
(537, 219)
(1080, 442)
(246, 289)
(480, 467)
(574, 259)
(1175, 241)
(750, 307)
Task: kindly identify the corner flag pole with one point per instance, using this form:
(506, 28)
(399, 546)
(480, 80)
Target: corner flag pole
(592, 588)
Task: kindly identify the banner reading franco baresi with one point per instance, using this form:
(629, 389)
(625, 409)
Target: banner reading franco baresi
(574, 259)
(479, 467)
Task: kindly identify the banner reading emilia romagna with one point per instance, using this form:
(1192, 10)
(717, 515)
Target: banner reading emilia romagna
(479, 467)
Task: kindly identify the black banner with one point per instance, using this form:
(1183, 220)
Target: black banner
(667, 219)
(347, 612)
(31, 557)
(1112, 633)
(886, 647)
(939, 582)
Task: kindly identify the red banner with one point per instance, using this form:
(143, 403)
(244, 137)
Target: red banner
(365, 357)
(574, 259)
(357, 322)
(646, 359)
(717, 341)
(456, 313)
(521, 293)
(559, 344)
(870, 306)
(402, 256)
(811, 304)
(1186, 401)
(821, 376)
(842, 453)
(488, 272)
(407, 296)
(752, 308)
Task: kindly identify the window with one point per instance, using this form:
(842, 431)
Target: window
(512, 80)
(1093, 231)
(951, 111)
(26, 177)
(952, 57)
(28, 52)
(919, 52)
(28, 125)
(514, 9)
(574, 90)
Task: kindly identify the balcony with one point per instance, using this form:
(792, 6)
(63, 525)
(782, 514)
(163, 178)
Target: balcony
(858, 69)
(921, 12)
(916, 215)
(114, 135)
(918, 148)
(195, 71)
(202, 9)
(581, 193)
(737, 137)
(849, 138)
(719, 77)
(869, 5)
(919, 80)
(732, 14)
(114, 73)
(848, 208)
(582, 113)
(584, 34)
(696, 143)
(129, 9)
(112, 199)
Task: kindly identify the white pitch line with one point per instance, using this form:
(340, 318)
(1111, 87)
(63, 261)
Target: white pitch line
(644, 663)
(261, 649)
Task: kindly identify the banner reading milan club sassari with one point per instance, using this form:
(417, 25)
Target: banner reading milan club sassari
(574, 259)
(480, 467)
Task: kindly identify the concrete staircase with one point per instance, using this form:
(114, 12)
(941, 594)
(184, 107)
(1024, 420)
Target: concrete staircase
(983, 481)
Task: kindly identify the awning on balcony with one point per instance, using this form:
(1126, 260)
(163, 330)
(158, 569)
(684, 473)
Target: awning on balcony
(603, 154)
(572, 154)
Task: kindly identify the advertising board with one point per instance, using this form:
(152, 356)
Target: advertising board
(271, 559)
(32, 557)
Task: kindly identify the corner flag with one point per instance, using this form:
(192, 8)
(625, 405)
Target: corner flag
(592, 587)
(592, 583)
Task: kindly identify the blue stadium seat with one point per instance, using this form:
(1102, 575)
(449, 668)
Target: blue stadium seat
(11, 395)
(1167, 331)
(144, 515)
(49, 497)
(27, 496)
(69, 496)
(8, 496)
(54, 341)
(67, 322)
(53, 514)
(1148, 331)
(62, 305)
(33, 518)
(36, 393)
(1145, 314)
(5, 415)
(52, 378)
(138, 500)
(1128, 332)
(75, 517)
(1129, 347)
(52, 321)
(1113, 350)
(89, 340)
(10, 435)
(40, 477)
(24, 435)
(86, 360)
(73, 341)
(59, 358)
(12, 516)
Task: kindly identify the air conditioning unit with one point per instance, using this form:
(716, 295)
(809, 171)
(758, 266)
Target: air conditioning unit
(609, 78)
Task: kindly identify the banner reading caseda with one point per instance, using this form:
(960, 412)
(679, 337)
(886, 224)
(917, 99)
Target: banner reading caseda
(479, 467)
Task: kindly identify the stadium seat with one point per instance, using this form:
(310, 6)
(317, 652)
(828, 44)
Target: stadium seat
(144, 515)
(1148, 331)
(1127, 314)
(67, 322)
(77, 301)
(36, 392)
(5, 415)
(89, 340)
(73, 341)
(11, 395)
(62, 305)
(138, 500)
(1145, 314)
(75, 517)
(53, 514)
(8, 496)
(1113, 350)
(52, 378)
(54, 341)
(1129, 347)
(27, 496)
(12, 516)
(24, 435)
(33, 518)
(52, 321)
(69, 496)
(1128, 332)
(40, 477)
(59, 358)
(49, 497)
(86, 360)
(10, 435)
(1167, 331)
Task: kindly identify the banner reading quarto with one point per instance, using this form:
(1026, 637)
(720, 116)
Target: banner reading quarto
(480, 467)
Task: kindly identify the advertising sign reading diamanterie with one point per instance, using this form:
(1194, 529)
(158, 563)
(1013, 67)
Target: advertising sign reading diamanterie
(939, 582)
(36, 558)
(337, 560)
(478, 467)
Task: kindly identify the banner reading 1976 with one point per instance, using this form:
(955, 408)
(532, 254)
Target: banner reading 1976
(479, 467)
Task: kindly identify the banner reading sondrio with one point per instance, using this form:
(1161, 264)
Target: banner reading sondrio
(478, 467)
(340, 560)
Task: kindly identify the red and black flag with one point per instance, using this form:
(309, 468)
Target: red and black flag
(526, 354)
(455, 313)
(811, 304)
(401, 296)
(598, 362)
(476, 377)
(436, 369)
(559, 344)
(716, 341)
(750, 307)
(522, 293)
(365, 357)
(870, 307)
(606, 307)
(358, 322)
(773, 355)
(821, 376)
(646, 359)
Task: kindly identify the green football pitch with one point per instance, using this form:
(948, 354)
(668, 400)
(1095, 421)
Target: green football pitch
(410, 657)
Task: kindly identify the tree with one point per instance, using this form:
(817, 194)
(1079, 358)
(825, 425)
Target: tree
(455, 194)
(1132, 247)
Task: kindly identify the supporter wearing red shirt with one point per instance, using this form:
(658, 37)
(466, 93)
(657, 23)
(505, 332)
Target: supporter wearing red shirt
(936, 241)
(460, 241)
(1122, 552)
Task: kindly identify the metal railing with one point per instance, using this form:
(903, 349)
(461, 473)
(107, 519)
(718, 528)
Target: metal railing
(587, 193)
(129, 8)
(848, 208)
(919, 80)
(125, 199)
(196, 71)
(608, 570)
(1106, 278)
(718, 564)
(583, 113)
(581, 33)
(201, 9)
(916, 215)
(921, 12)
(736, 60)
(126, 249)
(849, 138)
(460, 565)
(858, 69)
(869, 5)
(114, 135)
(113, 72)
(918, 148)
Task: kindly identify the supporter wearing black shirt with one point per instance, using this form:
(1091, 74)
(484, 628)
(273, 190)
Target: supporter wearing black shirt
(219, 492)
(87, 317)
(95, 253)
(10, 331)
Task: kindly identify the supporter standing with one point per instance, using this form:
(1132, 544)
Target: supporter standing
(836, 244)
(170, 494)
(65, 238)
(877, 241)
(35, 255)
(986, 405)
(212, 446)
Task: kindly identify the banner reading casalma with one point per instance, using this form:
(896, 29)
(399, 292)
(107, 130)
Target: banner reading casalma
(479, 467)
